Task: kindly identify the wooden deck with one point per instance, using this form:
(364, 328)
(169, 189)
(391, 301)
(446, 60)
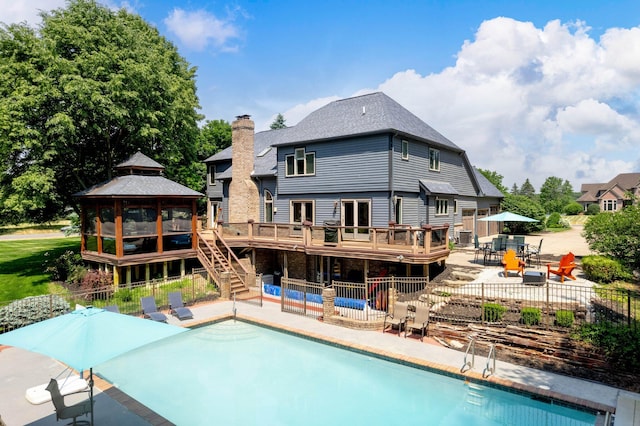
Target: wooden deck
(397, 244)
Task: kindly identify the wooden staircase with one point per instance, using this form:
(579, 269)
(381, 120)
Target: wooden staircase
(218, 259)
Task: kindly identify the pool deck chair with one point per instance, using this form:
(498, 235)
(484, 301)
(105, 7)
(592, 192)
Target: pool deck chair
(68, 411)
(564, 268)
(112, 308)
(149, 309)
(397, 318)
(420, 322)
(177, 308)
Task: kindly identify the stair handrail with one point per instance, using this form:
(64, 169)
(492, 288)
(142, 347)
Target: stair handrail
(231, 256)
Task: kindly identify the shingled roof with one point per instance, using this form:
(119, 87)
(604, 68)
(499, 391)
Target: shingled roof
(361, 115)
(140, 176)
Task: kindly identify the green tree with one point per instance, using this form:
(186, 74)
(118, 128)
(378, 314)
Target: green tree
(616, 235)
(555, 194)
(278, 123)
(91, 87)
(527, 189)
(514, 189)
(495, 178)
(524, 206)
(214, 136)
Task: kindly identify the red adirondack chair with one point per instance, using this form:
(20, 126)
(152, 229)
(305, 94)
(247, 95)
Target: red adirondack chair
(564, 268)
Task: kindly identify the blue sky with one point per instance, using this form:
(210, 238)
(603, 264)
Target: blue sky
(528, 89)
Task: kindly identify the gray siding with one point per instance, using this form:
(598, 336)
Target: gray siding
(270, 185)
(349, 165)
(216, 191)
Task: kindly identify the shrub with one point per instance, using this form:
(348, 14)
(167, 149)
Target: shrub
(124, 295)
(32, 309)
(553, 221)
(621, 345)
(493, 312)
(97, 285)
(530, 316)
(605, 270)
(564, 318)
(61, 268)
(593, 209)
(573, 208)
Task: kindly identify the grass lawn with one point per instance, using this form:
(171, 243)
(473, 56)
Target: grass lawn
(21, 265)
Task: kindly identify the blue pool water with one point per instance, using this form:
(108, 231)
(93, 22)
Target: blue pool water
(234, 373)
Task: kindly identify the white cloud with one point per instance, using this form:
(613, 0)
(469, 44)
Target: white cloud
(197, 30)
(532, 102)
(15, 11)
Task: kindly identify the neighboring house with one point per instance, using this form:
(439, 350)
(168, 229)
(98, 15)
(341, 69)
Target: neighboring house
(613, 195)
(139, 225)
(365, 165)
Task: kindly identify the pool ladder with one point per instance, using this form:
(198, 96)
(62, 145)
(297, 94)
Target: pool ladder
(490, 367)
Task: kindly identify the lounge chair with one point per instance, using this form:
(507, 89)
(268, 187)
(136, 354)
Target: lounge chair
(68, 411)
(177, 308)
(564, 268)
(112, 308)
(396, 318)
(149, 309)
(420, 322)
(512, 263)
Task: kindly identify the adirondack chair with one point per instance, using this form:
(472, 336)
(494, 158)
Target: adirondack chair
(512, 263)
(564, 268)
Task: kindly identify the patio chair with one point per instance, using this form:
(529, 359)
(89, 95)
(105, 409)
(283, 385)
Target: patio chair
(493, 250)
(68, 411)
(534, 252)
(564, 268)
(512, 263)
(397, 318)
(420, 322)
(477, 247)
(177, 308)
(149, 309)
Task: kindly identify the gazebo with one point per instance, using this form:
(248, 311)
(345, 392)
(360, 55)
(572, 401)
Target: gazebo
(139, 223)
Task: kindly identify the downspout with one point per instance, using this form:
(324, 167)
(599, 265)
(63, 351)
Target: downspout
(391, 189)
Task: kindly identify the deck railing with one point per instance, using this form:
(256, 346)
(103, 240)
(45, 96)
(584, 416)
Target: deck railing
(400, 238)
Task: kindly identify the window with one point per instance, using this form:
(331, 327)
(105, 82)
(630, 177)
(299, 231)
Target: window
(610, 205)
(301, 163)
(301, 211)
(356, 216)
(405, 150)
(434, 159)
(442, 207)
(398, 210)
(212, 174)
(455, 206)
(268, 206)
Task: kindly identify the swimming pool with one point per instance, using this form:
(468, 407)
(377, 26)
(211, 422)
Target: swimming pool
(235, 373)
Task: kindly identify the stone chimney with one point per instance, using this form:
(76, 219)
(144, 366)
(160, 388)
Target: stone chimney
(244, 198)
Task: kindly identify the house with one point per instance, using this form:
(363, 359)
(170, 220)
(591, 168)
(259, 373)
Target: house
(139, 224)
(613, 195)
(359, 186)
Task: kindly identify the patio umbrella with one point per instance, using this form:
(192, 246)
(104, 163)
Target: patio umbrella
(507, 217)
(87, 337)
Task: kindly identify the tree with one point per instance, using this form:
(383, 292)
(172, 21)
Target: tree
(495, 178)
(616, 235)
(527, 189)
(555, 194)
(85, 92)
(524, 206)
(514, 189)
(278, 123)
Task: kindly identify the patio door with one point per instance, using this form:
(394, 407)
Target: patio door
(301, 211)
(356, 218)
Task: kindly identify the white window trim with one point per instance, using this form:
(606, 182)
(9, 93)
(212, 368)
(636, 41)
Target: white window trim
(313, 210)
(212, 174)
(444, 202)
(405, 156)
(266, 202)
(437, 166)
(398, 203)
(304, 166)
